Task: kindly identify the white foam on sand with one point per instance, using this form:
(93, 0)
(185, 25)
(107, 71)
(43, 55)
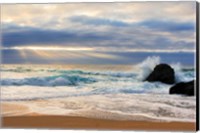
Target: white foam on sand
(149, 107)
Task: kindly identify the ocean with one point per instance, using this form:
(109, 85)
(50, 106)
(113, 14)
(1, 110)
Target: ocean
(97, 91)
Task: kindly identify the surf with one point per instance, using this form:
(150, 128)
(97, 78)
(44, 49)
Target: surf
(59, 80)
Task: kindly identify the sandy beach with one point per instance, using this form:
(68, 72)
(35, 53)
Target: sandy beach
(67, 122)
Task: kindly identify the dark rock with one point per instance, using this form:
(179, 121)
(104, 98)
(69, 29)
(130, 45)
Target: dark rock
(163, 73)
(183, 88)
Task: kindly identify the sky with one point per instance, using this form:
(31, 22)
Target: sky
(98, 33)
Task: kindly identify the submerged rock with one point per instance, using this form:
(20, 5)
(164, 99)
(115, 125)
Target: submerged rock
(183, 88)
(163, 73)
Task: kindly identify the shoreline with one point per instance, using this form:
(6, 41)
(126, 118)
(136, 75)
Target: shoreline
(76, 122)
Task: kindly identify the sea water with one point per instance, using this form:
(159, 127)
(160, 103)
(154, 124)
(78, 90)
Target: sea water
(98, 91)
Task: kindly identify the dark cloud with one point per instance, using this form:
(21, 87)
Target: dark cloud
(120, 38)
(27, 36)
(169, 26)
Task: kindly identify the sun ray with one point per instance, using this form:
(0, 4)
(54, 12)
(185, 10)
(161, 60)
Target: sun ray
(51, 48)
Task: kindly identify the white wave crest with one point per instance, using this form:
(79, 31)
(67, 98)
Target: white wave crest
(147, 66)
(178, 71)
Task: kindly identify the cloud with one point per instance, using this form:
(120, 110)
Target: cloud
(104, 27)
(11, 56)
(28, 36)
(34, 14)
(53, 57)
(161, 25)
(169, 26)
(97, 21)
(128, 37)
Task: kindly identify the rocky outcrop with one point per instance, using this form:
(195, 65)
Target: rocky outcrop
(183, 88)
(163, 73)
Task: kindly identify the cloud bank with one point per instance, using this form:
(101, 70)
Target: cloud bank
(104, 27)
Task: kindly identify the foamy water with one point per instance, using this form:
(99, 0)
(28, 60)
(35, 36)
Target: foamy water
(110, 92)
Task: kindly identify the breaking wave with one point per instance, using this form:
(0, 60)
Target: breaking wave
(148, 65)
(79, 77)
(60, 80)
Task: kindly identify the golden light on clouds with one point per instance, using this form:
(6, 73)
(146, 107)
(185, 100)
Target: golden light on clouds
(64, 52)
(56, 55)
(51, 48)
(91, 51)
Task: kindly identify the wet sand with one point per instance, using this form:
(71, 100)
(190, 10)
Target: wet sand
(68, 122)
(13, 109)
